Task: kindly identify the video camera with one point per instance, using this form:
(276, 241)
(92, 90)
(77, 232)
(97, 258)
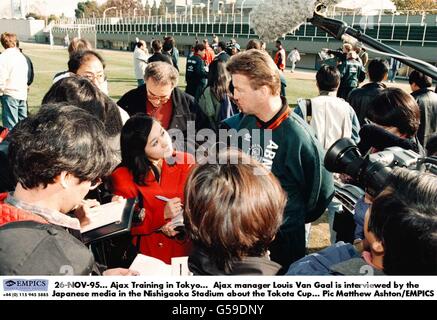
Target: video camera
(372, 171)
(230, 45)
(369, 174)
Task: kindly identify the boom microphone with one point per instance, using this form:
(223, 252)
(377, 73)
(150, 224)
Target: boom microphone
(275, 18)
(373, 136)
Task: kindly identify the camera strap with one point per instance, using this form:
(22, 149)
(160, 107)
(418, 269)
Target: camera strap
(309, 113)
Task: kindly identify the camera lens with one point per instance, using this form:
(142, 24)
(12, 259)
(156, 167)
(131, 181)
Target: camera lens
(344, 157)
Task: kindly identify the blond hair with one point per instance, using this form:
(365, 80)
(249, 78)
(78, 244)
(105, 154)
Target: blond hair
(8, 40)
(78, 44)
(259, 67)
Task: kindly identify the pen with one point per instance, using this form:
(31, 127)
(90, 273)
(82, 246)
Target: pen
(162, 198)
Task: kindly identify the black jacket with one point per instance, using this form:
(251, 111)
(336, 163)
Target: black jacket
(196, 76)
(160, 57)
(427, 101)
(361, 98)
(200, 263)
(222, 56)
(184, 108)
(30, 72)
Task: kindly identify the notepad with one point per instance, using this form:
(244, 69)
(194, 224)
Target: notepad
(149, 266)
(176, 221)
(105, 214)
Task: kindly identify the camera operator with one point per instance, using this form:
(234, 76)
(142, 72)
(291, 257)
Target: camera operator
(395, 116)
(351, 69)
(407, 207)
(431, 146)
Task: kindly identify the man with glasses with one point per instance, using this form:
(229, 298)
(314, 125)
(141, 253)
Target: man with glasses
(57, 156)
(160, 98)
(54, 171)
(89, 64)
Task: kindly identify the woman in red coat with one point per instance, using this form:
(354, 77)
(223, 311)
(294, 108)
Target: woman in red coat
(150, 167)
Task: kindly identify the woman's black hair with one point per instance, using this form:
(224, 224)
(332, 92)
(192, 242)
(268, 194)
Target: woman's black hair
(134, 136)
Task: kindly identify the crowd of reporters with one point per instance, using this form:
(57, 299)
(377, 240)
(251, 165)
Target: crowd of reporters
(242, 215)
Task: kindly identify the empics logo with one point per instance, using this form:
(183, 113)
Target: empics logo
(9, 283)
(25, 285)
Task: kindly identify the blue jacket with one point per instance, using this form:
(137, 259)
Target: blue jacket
(320, 263)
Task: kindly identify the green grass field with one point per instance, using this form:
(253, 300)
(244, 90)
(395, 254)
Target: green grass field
(119, 67)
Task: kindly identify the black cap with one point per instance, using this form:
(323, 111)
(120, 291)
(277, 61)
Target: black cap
(32, 248)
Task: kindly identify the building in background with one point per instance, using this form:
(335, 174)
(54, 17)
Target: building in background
(19, 9)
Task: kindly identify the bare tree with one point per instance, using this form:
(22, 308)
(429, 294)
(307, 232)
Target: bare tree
(416, 5)
(126, 6)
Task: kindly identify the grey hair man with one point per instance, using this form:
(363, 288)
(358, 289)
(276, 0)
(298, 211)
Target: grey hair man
(161, 99)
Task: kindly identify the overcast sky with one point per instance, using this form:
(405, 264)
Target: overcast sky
(56, 6)
(46, 7)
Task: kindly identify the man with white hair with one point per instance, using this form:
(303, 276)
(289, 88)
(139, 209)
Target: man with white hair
(160, 98)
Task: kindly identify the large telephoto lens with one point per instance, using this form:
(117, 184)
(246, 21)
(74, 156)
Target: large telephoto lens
(344, 157)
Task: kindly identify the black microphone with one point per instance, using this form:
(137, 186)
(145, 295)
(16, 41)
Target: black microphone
(272, 19)
(376, 137)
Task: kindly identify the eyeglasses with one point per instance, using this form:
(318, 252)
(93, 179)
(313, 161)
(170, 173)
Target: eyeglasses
(155, 97)
(100, 77)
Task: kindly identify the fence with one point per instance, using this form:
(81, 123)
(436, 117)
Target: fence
(403, 29)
